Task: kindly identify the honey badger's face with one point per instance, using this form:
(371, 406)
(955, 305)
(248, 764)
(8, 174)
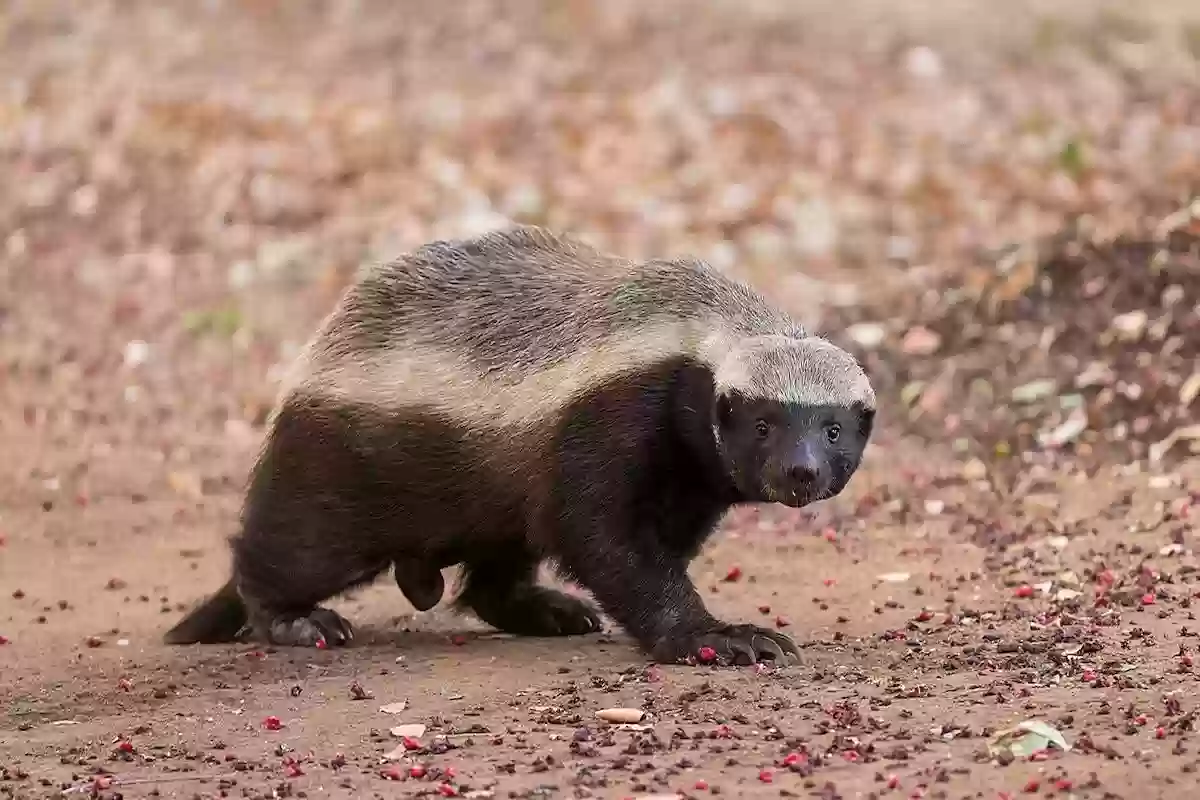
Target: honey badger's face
(792, 420)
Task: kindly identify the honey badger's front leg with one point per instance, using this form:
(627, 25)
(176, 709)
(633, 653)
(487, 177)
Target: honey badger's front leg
(628, 508)
(645, 587)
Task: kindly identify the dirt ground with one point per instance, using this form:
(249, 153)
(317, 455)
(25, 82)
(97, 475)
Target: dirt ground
(989, 202)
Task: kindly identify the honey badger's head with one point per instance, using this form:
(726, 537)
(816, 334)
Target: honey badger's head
(791, 418)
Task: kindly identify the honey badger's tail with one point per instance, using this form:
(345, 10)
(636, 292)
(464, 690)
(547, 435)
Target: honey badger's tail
(218, 619)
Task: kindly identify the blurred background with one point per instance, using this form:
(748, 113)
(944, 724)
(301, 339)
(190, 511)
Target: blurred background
(188, 185)
(993, 203)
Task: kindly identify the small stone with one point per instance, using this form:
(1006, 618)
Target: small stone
(1190, 390)
(1040, 502)
(1130, 326)
(975, 470)
(867, 334)
(1033, 391)
(136, 353)
(923, 62)
(920, 341)
(1075, 424)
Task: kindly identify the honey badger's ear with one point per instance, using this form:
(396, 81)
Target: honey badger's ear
(866, 421)
(727, 402)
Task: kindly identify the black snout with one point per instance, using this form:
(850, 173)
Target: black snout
(804, 473)
(807, 466)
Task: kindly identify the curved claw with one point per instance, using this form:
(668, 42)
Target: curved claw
(769, 646)
(740, 645)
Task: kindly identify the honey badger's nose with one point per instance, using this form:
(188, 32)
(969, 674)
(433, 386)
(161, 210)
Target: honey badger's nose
(805, 465)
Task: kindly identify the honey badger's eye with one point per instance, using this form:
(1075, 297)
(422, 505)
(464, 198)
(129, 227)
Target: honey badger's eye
(833, 432)
(762, 428)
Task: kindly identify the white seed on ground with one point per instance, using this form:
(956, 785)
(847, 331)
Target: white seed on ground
(413, 730)
(621, 715)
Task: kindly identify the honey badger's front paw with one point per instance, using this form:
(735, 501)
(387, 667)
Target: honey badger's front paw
(729, 644)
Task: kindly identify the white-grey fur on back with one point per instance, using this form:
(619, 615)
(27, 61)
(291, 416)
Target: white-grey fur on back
(503, 331)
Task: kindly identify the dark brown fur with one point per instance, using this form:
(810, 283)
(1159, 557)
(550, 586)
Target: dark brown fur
(521, 397)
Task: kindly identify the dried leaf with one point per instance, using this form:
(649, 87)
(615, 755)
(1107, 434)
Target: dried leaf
(1027, 738)
(1159, 449)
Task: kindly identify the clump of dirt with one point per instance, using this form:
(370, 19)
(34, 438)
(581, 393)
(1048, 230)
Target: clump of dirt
(1088, 350)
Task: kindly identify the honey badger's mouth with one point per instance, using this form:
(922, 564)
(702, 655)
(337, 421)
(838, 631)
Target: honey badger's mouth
(795, 496)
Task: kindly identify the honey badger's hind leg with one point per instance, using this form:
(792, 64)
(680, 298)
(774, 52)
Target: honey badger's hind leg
(314, 526)
(283, 591)
(501, 589)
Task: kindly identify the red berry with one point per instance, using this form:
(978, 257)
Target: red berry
(292, 770)
(1089, 675)
(1160, 732)
(411, 743)
(735, 573)
(1024, 590)
(392, 772)
(272, 723)
(893, 782)
(1063, 784)
(794, 758)
(850, 755)
(1032, 786)
(707, 654)
(417, 771)
(4, 640)
(1148, 599)
(701, 785)
(1141, 719)
(125, 747)
(321, 644)
(925, 616)
(766, 776)
(446, 790)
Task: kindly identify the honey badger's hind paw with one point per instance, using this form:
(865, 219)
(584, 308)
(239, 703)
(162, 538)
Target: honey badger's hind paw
(541, 611)
(319, 628)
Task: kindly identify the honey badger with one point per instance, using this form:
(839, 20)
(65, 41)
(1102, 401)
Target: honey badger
(520, 397)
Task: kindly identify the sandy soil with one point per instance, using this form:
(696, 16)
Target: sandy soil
(187, 187)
